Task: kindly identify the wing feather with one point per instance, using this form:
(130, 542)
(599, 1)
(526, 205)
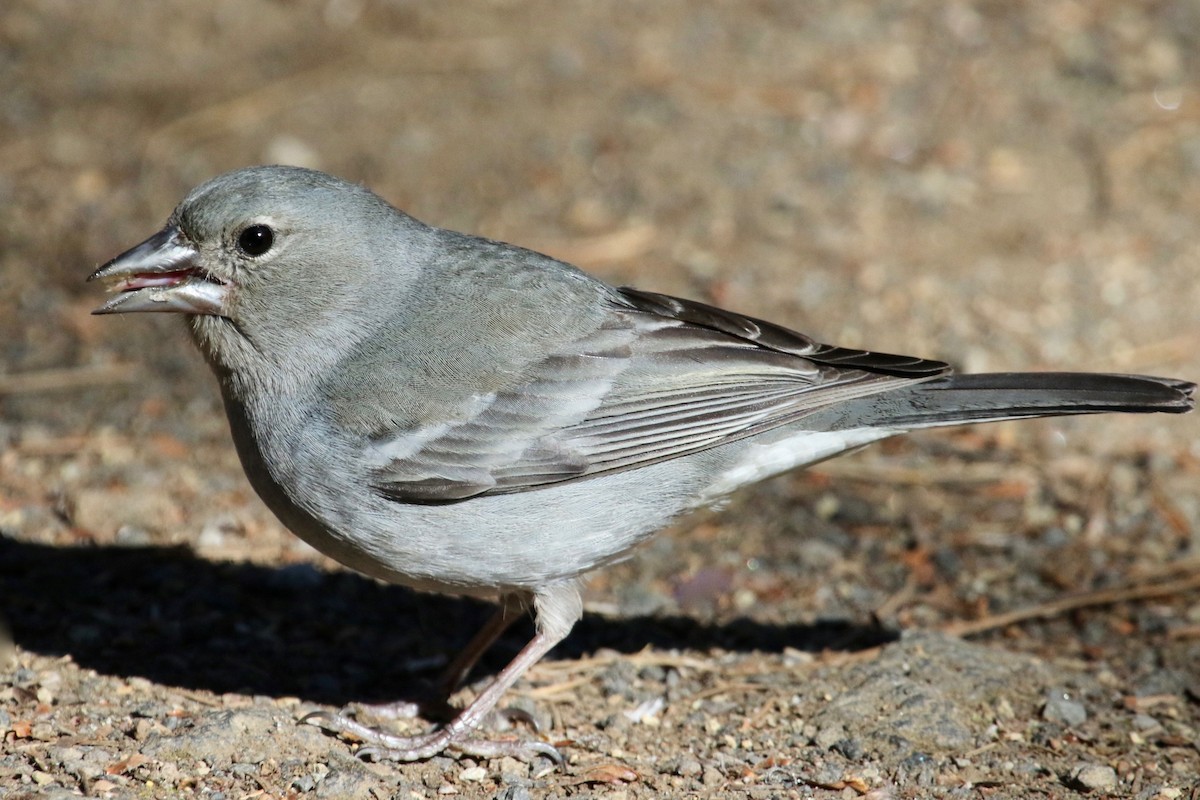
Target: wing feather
(663, 378)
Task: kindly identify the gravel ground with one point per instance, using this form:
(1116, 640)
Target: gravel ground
(1005, 611)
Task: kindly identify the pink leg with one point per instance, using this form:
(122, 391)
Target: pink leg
(452, 677)
(511, 608)
(557, 608)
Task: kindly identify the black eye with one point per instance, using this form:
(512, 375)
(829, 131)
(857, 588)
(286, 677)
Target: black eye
(256, 240)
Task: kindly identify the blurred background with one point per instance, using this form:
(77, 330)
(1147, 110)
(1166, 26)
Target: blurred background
(1004, 185)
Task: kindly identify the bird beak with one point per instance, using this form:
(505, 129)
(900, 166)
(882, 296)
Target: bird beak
(162, 273)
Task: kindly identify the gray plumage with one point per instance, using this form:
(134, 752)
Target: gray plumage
(462, 415)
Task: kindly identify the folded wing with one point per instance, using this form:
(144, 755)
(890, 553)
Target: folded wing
(662, 378)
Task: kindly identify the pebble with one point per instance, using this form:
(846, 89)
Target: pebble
(712, 777)
(304, 783)
(829, 735)
(850, 748)
(1091, 777)
(514, 793)
(1145, 722)
(473, 774)
(1061, 706)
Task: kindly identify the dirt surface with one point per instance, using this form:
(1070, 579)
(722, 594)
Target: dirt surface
(1004, 185)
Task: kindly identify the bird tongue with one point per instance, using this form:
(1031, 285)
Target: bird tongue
(148, 279)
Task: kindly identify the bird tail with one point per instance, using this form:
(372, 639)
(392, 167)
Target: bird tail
(990, 397)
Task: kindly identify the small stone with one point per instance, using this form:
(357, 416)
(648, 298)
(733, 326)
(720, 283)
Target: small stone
(142, 729)
(513, 772)
(712, 777)
(618, 679)
(689, 768)
(43, 731)
(304, 783)
(1061, 706)
(826, 774)
(473, 774)
(514, 793)
(850, 748)
(794, 658)
(1145, 722)
(1004, 709)
(829, 735)
(1091, 777)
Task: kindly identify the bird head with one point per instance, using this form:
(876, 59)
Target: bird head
(269, 259)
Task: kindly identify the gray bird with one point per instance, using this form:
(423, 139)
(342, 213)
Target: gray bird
(460, 415)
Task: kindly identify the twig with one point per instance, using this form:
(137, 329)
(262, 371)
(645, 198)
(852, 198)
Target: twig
(552, 690)
(643, 658)
(54, 380)
(727, 688)
(1101, 597)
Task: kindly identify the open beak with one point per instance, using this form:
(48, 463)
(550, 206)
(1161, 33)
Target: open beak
(162, 273)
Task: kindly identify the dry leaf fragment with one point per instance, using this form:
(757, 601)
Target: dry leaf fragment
(614, 774)
(126, 764)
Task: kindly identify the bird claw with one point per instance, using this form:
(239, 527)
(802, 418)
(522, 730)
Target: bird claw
(380, 746)
(339, 724)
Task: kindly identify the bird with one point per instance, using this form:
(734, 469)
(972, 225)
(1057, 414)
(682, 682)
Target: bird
(464, 416)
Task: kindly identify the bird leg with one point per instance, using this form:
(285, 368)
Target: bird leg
(557, 608)
(512, 606)
(436, 703)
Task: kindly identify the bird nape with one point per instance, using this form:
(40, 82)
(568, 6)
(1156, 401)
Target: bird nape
(462, 415)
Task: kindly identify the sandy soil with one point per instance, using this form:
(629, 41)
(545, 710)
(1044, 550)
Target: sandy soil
(1007, 612)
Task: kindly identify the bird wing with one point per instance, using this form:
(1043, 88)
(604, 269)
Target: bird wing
(661, 378)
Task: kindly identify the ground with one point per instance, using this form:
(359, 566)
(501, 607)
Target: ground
(1005, 611)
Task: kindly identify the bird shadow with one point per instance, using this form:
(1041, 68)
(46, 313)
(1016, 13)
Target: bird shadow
(166, 615)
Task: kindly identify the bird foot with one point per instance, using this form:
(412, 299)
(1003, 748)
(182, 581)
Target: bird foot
(435, 708)
(380, 746)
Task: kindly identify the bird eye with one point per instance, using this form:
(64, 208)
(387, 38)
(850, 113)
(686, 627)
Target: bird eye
(256, 240)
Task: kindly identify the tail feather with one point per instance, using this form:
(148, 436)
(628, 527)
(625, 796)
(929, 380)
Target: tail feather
(988, 397)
